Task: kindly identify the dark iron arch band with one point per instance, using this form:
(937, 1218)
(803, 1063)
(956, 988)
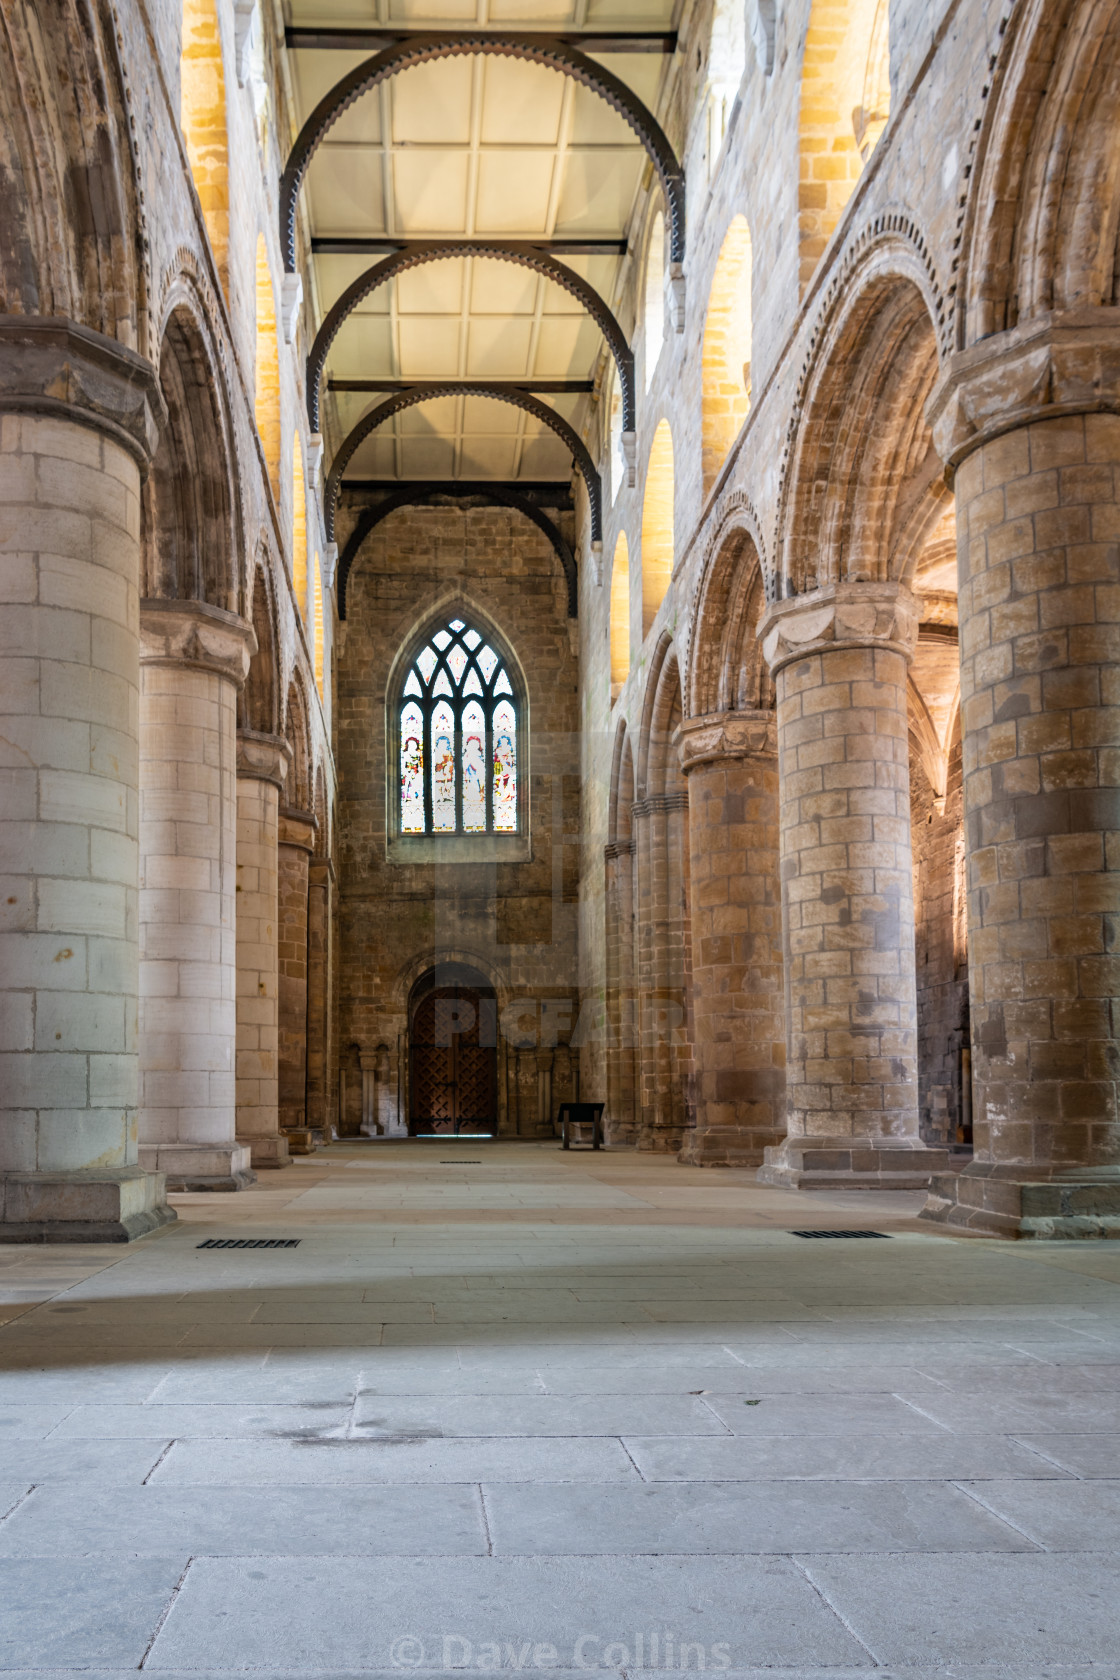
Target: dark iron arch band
(533, 49)
(424, 393)
(501, 495)
(512, 251)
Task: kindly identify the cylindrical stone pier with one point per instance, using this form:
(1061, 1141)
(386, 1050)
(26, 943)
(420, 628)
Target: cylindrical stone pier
(320, 880)
(262, 764)
(1038, 548)
(79, 418)
(840, 657)
(297, 841)
(194, 659)
(738, 1001)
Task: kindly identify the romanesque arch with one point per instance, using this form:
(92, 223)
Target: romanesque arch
(865, 481)
(69, 202)
(658, 528)
(190, 527)
(1043, 216)
(202, 117)
(620, 615)
(727, 672)
(260, 698)
(298, 736)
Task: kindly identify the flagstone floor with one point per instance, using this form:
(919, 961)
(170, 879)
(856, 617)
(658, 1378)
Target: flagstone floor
(507, 1408)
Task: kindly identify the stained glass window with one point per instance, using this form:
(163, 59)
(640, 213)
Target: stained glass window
(458, 717)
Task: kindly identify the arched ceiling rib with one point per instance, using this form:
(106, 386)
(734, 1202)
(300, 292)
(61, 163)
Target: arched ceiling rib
(476, 150)
(427, 393)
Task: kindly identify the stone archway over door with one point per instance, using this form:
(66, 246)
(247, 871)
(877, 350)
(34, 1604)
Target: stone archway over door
(453, 1058)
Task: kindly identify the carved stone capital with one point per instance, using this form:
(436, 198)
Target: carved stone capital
(51, 365)
(193, 633)
(841, 615)
(1053, 365)
(715, 737)
(298, 828)
(262, 758)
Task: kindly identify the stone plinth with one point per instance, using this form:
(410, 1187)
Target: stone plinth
(79, 419)
(1037, 479)
(738, 1004)
(262, 763)
(194, 659)
(840, 657)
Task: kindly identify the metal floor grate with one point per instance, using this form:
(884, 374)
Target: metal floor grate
(884, 1234)
(250, 1242)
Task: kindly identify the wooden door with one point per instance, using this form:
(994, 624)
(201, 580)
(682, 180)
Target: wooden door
(454, 1074)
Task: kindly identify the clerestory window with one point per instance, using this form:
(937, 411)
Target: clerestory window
(460, 738)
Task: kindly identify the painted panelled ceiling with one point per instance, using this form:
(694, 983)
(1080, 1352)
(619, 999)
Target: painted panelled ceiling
(469, 147)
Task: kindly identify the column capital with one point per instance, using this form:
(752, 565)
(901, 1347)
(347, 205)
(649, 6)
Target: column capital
(262, 758)
(1047, 367)
(321, 872)
(194, 633)
(840, 615)
(715, 737)
(50, 365)
(298, 828)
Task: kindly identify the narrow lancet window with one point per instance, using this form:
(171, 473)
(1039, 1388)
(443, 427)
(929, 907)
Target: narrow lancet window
(458, 717)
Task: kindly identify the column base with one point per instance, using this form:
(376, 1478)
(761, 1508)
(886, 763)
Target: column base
(849, 1164)
(725, 1146)
(300, 1140)
(268, 1150)
(1027, 1202)
(200, 1166)
(116, 1205)
(662, 1140)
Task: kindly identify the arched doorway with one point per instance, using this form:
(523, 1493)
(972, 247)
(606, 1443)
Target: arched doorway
(453, 1054)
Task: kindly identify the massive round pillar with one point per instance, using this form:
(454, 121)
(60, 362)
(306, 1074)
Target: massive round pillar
(79, 418)
(738, 1006)
(194, 659)
(297, 840)
(1020, 420)
(840, 656)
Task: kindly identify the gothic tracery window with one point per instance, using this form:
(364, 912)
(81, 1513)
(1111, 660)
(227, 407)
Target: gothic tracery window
(459, 726)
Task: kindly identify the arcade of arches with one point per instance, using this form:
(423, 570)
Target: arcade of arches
(561, 569)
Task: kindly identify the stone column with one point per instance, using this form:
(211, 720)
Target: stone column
(79, 421)
(320, 878)
(620, 1117)
(193, 662)
(297, 840)
(738, 1003)
(262, 764)
(661, 838)
(840, 657)
(1027, 423)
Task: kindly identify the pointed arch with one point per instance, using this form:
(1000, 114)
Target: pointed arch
(266, 398)
(620, 615)
(657, 526)
(845, 105)
(725, 364)
(202, 117)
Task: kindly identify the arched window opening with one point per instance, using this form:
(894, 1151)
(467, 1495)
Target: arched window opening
(299, 529)
(657, 526)
(267, 383)
(616, 465)
(202, 117)
(727, 60)
(726, 355)
(317, 624)
(845, 105)
(655, 297)
(460, 737)
(620, 615)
